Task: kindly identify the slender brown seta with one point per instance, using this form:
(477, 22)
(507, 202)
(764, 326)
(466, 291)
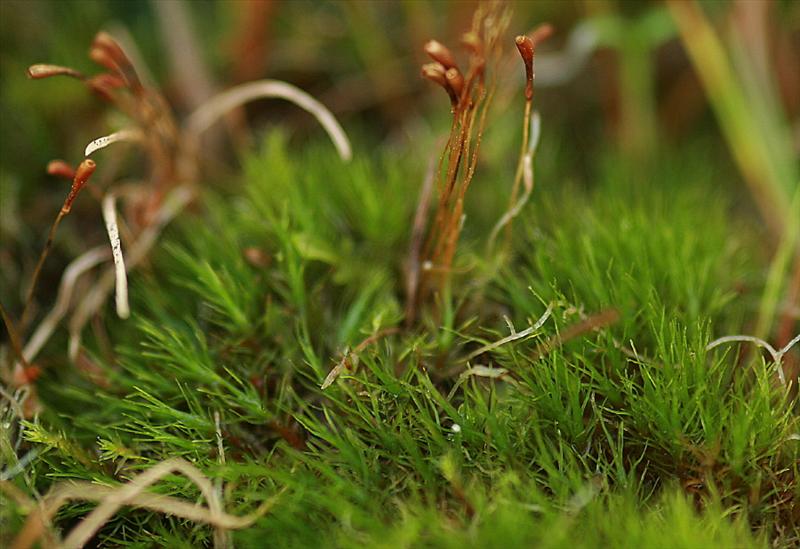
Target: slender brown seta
(13, 336)
(526, 45)
(82, 175)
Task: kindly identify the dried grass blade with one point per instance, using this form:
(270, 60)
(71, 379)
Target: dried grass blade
(172, 205)
(348, 355)
(514, 336)
(777, 354)
(130, 135)
(212, 110)
(527, 179)
(110, 217)
(744, 339)
(132, 493)
(71, 274)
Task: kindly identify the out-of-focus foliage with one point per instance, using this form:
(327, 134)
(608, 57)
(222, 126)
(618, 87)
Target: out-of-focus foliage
(649, 234)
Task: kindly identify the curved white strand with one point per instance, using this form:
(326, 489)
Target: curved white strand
(129, 134)
(80, 265)
(213, 109)
(110, 217)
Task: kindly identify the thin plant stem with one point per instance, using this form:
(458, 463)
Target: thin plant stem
(13, 335)
(82, 175)
(38, 269)
(526, 124)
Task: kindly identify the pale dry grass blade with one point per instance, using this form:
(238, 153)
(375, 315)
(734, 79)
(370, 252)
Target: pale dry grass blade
(527, 179)
(480, 371)
(350, 358)
(744, 339)
(131, 135)
(336, 371)
(91, 303)
(14, 404)
(74, 270)
(777, 354)
(792, 343)
(133, 493)
(110, 217)
(212, 110)
(514, 336)
(20, 466)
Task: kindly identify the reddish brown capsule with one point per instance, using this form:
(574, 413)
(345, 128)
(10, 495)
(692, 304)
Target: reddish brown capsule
(104, 41)
(455, 80)
(59, 168)
(435, 72)
(439, 53)
(526, 51)
(46, 71)
(525, 47)
(107, 52)
(82, 175)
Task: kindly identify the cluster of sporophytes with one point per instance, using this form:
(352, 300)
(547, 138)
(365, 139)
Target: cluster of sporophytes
(305, 364)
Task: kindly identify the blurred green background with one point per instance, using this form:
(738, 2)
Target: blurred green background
(615, 85)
